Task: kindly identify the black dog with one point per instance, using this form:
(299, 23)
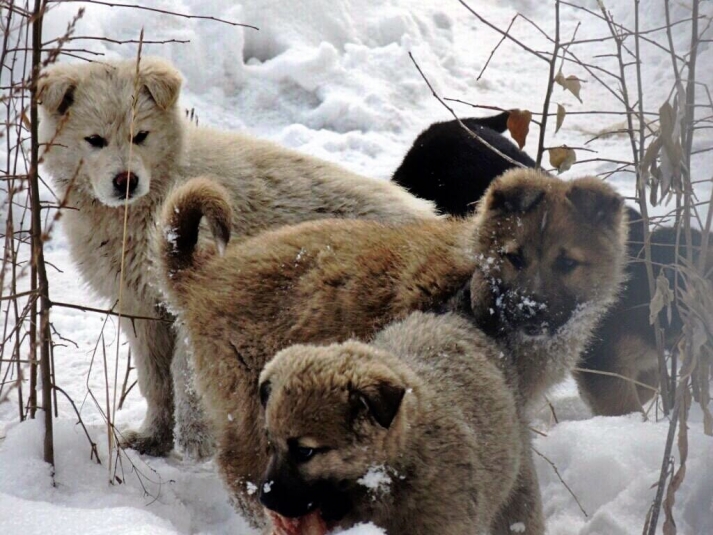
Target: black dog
(452, 169)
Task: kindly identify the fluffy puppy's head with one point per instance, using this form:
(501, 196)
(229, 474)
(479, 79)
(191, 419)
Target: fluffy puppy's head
(109, 146)
(332, 416)
(548, 250)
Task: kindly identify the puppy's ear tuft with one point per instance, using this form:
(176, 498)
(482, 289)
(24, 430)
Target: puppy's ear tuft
(265, 390)
(162, 81)
(596, 202)
(517, 199)
(382, 400)
(56, 89)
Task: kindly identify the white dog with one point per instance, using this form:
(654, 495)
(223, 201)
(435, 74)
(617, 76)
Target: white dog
(103, 153)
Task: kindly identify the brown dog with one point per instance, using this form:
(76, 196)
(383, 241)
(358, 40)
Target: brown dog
(417, 432)
(535, 268)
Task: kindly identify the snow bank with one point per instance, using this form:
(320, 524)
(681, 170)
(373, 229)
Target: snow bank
(612, 465)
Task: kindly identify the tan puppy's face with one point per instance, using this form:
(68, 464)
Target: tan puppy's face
(550, 248)
(109, 149)
(328, 411)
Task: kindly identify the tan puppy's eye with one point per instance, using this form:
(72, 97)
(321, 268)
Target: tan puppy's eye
(565, 265)
(516, 259)
(302, 454)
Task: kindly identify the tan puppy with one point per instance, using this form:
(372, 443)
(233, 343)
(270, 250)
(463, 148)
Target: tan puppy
(536, 267)
(102, 154)
(417, 432)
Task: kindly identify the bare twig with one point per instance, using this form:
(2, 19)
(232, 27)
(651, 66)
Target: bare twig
(559, 476)
(550, 83)
(161, 11)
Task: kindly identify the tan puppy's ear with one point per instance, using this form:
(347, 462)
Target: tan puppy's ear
(516, 198)
(161, 80)
(381, 400)
(596, 202)
(56, 88)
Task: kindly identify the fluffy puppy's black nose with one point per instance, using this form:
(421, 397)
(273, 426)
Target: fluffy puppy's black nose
(120, 183)
(535, 328)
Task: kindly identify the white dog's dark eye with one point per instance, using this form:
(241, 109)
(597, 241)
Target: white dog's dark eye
(140, 137)
(95, 141)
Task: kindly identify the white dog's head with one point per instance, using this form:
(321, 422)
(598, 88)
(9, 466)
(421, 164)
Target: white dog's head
(86, 127)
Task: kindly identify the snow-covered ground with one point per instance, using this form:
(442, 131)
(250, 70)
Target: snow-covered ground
(334, 79)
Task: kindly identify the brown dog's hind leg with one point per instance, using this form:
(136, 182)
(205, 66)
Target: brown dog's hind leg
(523, 512)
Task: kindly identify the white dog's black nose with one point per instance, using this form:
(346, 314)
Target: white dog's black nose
(120, 183)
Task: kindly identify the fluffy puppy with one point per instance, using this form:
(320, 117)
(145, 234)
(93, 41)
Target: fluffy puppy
(537, 266)
(417, 432)
(453, 169)
(105, 154)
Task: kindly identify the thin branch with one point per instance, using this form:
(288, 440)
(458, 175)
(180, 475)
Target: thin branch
(162, 11)
(559, 476)
(468, 130)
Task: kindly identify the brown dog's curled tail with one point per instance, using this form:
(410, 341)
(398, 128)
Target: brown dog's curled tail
(182, 214)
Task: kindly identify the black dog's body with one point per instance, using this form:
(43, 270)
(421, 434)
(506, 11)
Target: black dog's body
(442, 160)
(449, 167)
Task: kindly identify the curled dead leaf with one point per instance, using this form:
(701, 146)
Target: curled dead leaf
(519, 125)
(562, 158)
(26, 120)
(663, 297)
(561, 112)
(571, 83)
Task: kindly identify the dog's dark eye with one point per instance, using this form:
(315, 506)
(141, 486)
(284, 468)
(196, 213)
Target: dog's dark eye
(565, 264)
(95, 141)
(139, 138)
(302, 454)
(516, 259)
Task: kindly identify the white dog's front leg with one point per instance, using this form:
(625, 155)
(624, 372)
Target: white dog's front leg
(152, 345)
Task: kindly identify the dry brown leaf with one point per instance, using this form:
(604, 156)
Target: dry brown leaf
(561, 112)
(663, 297)
(571, 83)
(26, 120)
(519, 125)
(562, 158)
(667, 117)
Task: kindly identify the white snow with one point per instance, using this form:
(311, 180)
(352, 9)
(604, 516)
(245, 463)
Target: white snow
(376, 479)
(333, 79)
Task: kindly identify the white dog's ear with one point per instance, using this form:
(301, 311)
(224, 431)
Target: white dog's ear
(56, 88)
(162, 81)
